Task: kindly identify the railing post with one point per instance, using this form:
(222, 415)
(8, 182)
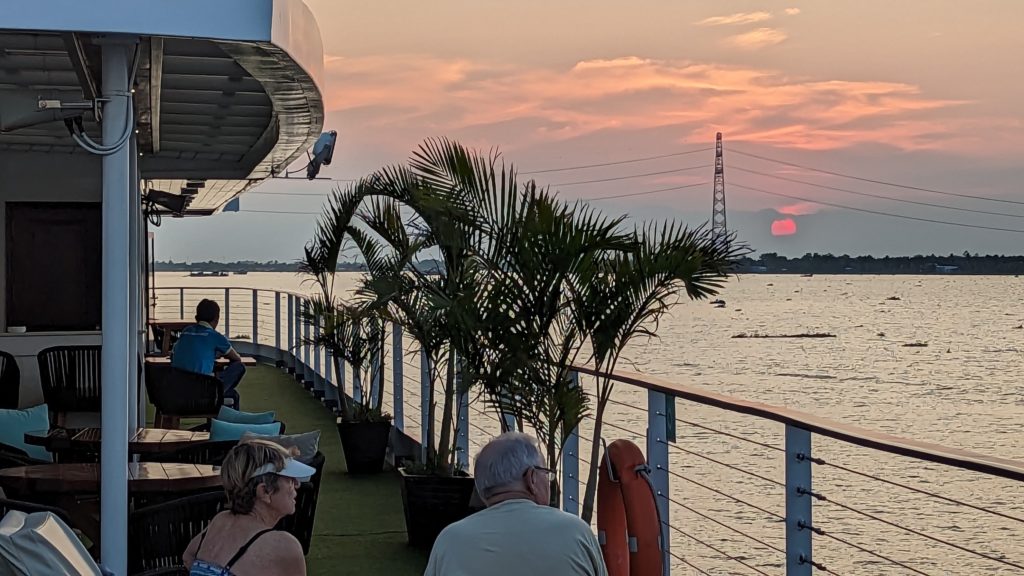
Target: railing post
(571, 465)
(357, 380)
(657, 459)
(317, 368)
(181, 302)
(798, 502)
(277, 320)
(291, 325)
(462, 440)
(425, 401)
(377, 366)
(397, 377)
(255, 318)
(227, 312)
(306, 364)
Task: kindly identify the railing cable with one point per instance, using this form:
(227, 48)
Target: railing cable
(720, 463)
(922, 491)
(687, 562)
(736, 436)
(775, 515)
(919, 533)
(712, 547)
(875, 554)
(723, 525)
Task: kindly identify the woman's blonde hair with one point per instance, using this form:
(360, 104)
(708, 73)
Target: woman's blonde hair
(240, 463)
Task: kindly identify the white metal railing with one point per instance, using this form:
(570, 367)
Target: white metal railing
(742, 487)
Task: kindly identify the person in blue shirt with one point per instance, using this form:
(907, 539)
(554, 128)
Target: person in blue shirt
(200, 345)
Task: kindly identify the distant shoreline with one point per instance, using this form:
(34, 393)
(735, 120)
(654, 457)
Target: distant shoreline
(767, 263)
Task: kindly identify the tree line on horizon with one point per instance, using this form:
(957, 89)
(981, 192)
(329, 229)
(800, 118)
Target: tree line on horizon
(815, 263)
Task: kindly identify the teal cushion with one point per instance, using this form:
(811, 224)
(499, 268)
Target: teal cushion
(220, 430)
(228, 414)
(15, 423)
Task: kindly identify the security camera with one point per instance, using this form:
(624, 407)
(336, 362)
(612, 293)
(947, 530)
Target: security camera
(323, 151)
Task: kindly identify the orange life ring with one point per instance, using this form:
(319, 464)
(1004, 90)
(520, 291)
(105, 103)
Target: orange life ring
(628, 525)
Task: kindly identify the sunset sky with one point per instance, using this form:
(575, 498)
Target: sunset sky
(926, 93)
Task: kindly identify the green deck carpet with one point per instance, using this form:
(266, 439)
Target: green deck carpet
(360, 528)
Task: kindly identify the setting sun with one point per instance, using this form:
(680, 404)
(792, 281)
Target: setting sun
(783, 227)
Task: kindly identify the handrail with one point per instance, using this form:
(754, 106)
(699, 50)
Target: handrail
(286, 292)
(928, 451)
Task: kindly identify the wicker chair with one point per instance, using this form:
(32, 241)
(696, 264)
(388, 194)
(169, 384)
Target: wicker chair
(6, 505)
(10, 381)
(300, 524)
(70, 378)
(158, 535)
(180, 394)
(13, 457)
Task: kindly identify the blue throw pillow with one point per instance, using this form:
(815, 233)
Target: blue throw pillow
(228, 414)
(220, 430)
(15, 423)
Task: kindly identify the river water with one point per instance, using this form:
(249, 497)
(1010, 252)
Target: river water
(957, 385)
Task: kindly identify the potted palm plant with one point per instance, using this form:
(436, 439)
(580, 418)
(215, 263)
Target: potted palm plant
(353, 333)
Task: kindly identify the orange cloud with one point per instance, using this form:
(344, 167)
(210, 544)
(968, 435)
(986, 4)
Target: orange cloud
(792, 11)
(798, 209)
(759, 38)
(735, 19)
(418, 95)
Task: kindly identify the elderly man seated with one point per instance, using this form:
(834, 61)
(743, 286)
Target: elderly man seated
(518, 533)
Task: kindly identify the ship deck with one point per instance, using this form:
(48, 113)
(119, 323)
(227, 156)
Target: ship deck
(360, 528)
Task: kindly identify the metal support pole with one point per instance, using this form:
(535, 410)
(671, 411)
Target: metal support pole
(462, 439)
(397, 377)
(227, 312)
(134, 294)
(116, 362)
(357, 381)
(657, 459)
(181, 302)
(425, 401)
(571, 465)
(255, 317)
(798, 502)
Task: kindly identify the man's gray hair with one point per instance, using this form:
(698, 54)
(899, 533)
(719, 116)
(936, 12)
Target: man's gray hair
(503, 462)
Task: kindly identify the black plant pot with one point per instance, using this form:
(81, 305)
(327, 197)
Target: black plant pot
(433, 502)
(365, 445)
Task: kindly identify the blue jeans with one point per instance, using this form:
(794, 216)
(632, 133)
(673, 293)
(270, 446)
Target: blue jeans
(230, 377)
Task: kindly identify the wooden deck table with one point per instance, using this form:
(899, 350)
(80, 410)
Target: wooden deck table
(220, 364)
(143, 441)
(72, 487)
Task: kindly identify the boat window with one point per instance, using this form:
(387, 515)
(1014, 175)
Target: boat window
(53, 265)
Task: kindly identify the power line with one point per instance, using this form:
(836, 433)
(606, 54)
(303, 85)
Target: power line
(617, 163)
(705, 183)
(277, 212)
(870, 195)
(320, 194)
(865, 210)
(882, 182)
(634, 176)
(597, 199)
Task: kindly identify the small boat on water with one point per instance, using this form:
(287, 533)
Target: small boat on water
(241, 272)
(207, 273)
